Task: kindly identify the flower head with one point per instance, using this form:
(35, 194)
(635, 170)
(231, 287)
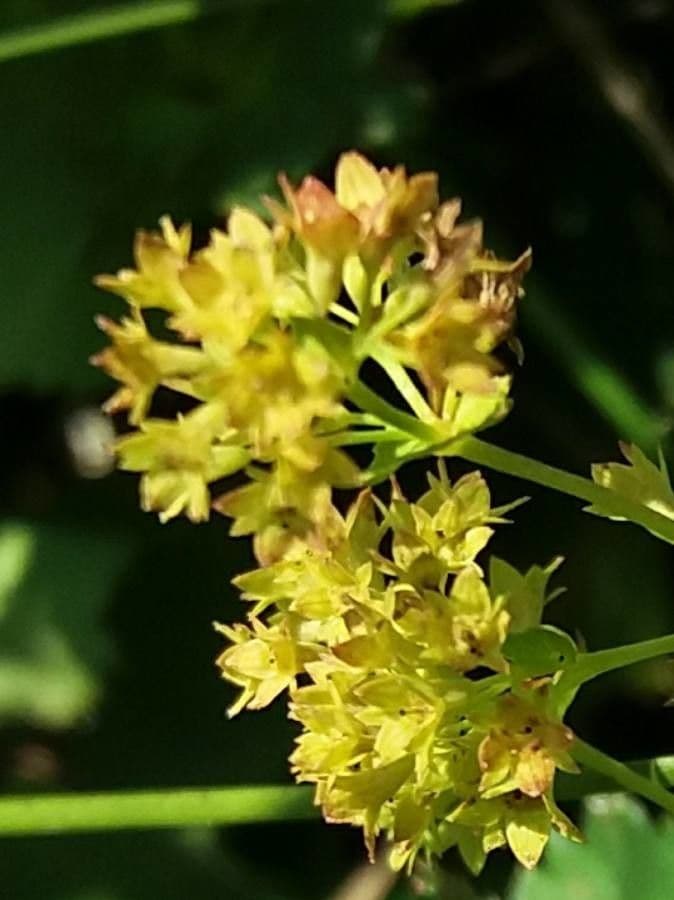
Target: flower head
(254, 325)
(401, 735)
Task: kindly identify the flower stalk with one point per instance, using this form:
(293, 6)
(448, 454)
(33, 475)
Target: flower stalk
(623, 775)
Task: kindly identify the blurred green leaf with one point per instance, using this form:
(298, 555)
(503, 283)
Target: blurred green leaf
(626, 856)
(54, 583)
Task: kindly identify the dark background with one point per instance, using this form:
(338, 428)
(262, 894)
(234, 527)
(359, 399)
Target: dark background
(554, 122)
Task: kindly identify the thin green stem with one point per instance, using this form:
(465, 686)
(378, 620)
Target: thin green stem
(590, 665)
(510, 463)
(115, 810)
(369, 436)
(405, 386)
(520, 466)
(204, 807)
(99, 24)
(621, 774)
(345, 314)
(371, 402)
(575, 787)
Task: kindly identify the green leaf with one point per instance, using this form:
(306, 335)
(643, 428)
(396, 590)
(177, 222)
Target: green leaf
(540, 651)
(626, 856)
(54, 583)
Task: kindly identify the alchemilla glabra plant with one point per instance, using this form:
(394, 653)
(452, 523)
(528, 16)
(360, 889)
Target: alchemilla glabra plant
(430, 698)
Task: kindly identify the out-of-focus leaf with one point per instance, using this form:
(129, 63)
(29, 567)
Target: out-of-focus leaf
(54, 584)
(625, 856)
(16, 550)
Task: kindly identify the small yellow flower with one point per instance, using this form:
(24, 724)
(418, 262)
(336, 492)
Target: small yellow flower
(523, 823)
(262, 660)
(523, 749)
(180, 459)
(388, 204)
(141, 364)
(160, 260)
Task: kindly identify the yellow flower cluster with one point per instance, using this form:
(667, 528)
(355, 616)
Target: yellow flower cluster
(263, 332)
(391, 646)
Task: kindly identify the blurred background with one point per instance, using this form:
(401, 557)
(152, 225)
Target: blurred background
(554, 120)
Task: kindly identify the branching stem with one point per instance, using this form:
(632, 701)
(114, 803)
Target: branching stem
(510, 463)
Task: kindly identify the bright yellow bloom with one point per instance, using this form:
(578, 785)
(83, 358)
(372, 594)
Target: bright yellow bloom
(141, 364)
(160, 260)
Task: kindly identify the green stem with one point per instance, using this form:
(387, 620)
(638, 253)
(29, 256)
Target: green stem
(510, 463)
(405, 386)
(575, 787)
(590, 665)
(345, 314)
(520, 466)
(621, 774)
(371, 402)
(368, 436)
(115, 810)
(205, 807)
(87, 27)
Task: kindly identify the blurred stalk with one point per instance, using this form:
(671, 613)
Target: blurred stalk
(409, 8)
(625, 776)
(368, 882)
(116, 810)
(132, 18)
(625, 90)
(106, 22)
(185, 808)
(596, 379)
(575, 787)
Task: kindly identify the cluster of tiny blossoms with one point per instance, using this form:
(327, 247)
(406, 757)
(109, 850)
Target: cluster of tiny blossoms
(379, 625)
(379, 653)
(264, 331)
